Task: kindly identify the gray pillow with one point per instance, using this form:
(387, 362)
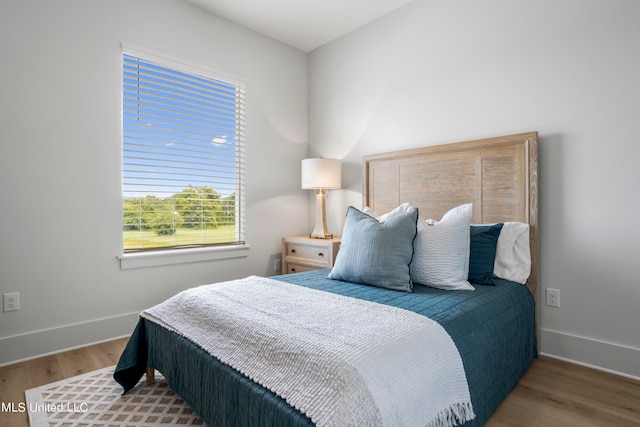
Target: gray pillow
(376, 253)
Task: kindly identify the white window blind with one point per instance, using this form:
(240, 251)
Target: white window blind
(183, 157)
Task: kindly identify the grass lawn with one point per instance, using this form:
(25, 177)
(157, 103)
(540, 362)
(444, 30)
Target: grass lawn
(183, 236)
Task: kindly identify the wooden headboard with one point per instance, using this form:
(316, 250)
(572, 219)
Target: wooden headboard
(498, 175)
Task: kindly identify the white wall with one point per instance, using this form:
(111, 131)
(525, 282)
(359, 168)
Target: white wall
(60, 161)
(439, 71)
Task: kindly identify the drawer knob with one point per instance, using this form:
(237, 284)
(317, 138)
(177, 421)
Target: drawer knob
(293, 251)
(320, 254)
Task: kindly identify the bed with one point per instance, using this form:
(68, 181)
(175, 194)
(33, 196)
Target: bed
(494, 328)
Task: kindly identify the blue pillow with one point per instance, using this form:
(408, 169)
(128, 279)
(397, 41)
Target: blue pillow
(482, 253)
(376, 253)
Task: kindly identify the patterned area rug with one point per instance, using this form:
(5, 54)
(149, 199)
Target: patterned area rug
(94, 400)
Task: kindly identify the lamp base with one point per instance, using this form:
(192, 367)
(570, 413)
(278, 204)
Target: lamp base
(319, 236)
(320, 230)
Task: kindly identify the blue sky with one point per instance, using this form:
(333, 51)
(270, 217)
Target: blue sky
(180, 127)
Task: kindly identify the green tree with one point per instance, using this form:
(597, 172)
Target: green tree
(194, 207)
(228, 206)
(132, 214)
(160, 215)
(199, 207)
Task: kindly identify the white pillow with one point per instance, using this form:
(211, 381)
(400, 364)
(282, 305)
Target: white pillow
(441, 251)
(403, 208)
(513, 254)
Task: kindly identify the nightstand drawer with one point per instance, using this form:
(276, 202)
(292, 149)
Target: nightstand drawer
(298, 268)
(316, 254)
(302, 253)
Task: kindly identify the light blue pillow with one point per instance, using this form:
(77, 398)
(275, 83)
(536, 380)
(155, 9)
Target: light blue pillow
(377, 253)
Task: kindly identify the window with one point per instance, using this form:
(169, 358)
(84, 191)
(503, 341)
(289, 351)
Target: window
(183, 156)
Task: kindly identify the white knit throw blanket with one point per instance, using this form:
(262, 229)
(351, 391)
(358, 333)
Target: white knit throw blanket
(341, 361)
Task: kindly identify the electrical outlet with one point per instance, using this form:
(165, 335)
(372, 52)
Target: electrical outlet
(553, 297)
(11, 301)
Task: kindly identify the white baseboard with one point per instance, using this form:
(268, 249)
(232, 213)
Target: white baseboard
(604, 356)
(30, 345)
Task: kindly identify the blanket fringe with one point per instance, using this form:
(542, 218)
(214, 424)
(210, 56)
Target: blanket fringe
(454, 415)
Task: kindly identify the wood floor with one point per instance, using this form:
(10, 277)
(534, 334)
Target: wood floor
(555, 393)
(15, 379)
(552, 393)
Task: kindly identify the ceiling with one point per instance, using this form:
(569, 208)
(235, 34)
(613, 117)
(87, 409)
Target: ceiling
(304, 24)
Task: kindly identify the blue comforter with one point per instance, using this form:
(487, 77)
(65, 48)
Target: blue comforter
(493, 328)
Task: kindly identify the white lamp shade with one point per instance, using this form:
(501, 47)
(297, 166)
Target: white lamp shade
(321, 173)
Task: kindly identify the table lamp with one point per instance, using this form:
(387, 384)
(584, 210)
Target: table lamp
(320, 175)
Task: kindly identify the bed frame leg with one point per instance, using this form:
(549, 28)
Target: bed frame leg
(151, 375)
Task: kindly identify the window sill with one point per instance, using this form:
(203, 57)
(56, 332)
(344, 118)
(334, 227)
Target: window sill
(180, 256)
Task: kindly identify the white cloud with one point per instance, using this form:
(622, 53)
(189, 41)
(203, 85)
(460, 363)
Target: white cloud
(219, 140)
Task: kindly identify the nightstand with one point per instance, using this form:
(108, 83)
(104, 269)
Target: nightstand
(302, 253)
